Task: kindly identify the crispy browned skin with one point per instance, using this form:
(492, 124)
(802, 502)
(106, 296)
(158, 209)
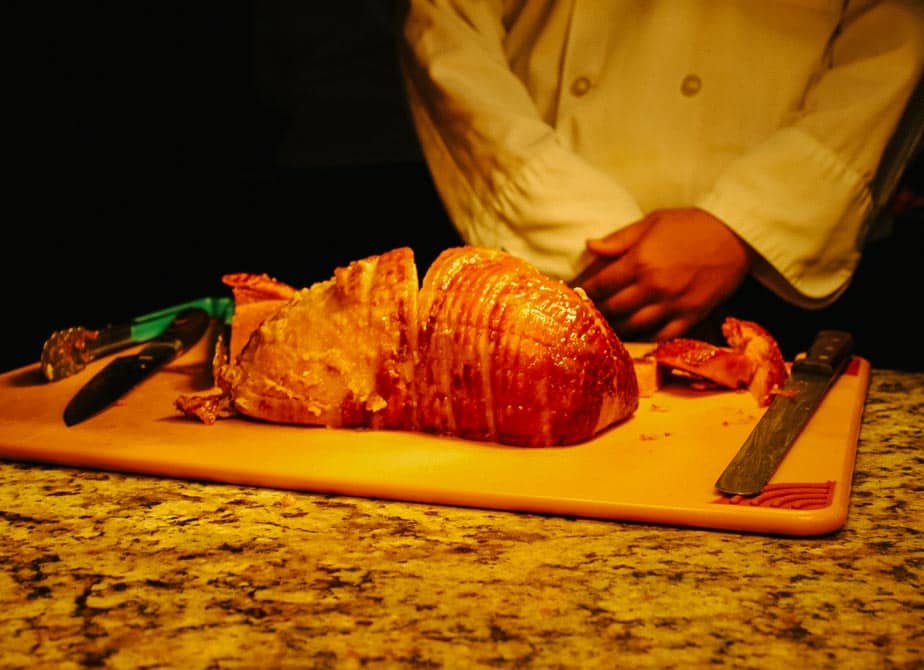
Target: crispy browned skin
(509, 355)
(249, 287)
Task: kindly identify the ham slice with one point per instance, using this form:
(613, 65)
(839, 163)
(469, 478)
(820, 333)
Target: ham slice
(752, 360)
(487, 348)
(255, 298)
(761, 348)
(721, 365)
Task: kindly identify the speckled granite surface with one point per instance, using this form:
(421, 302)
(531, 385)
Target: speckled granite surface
(106, 570)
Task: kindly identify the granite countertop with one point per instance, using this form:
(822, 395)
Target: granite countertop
(100, 569)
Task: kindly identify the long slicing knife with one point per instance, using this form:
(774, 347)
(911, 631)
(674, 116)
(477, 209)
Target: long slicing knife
(125, 372)
(791, 408)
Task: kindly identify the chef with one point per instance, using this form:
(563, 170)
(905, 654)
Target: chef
(661, 153)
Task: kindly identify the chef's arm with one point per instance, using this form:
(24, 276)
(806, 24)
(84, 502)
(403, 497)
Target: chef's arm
(802, 198)
(505, 176)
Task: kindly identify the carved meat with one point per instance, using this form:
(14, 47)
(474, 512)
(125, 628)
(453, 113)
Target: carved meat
(752, 361)
(760, 347)
(487, 349)
(725, 367)
(339, 353)
(255, 298)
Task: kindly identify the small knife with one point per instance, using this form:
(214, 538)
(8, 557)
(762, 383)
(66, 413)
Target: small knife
(790, 410)
(125, 372)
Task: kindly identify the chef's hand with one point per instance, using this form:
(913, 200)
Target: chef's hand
(660, 276)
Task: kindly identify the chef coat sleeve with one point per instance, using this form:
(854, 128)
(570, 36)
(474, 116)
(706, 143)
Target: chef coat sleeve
(506, 177)
(802, 197)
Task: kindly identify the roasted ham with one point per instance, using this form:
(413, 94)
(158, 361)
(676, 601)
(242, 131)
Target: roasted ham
(508, 355)
(487, 348)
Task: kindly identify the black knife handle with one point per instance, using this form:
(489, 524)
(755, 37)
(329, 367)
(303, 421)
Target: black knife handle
(115, 380)
(829, 353)
(124, 372)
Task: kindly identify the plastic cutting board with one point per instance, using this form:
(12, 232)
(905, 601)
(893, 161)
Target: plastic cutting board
(659, 466)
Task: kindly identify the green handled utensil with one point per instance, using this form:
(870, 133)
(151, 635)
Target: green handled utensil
(69, 350)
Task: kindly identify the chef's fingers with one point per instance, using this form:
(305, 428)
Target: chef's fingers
(620, 241)
(635, 311)
(622, 304)
(676, 327)
(643, 321)
(595, 266)
(612, 277)
(683, 316)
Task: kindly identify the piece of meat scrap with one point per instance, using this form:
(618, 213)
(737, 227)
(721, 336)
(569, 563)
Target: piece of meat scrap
(206, 408)
(752, 360)
(759, 346)
(721, 365)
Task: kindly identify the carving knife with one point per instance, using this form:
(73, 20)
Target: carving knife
(791, 408)
(122, 374)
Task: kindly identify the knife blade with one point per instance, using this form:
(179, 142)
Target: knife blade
(122, 374)
(791, 408)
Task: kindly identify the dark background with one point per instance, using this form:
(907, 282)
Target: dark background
(153, 149)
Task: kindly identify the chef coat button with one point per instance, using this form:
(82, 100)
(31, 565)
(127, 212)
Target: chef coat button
(691, 85)
(580, 86)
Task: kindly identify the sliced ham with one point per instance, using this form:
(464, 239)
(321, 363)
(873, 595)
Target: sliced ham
(256, 297)
(721, 365)
(761, 348)
(752, 360)
(487, 348)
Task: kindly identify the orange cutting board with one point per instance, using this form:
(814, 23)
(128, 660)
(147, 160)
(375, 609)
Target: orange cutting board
(659, 466)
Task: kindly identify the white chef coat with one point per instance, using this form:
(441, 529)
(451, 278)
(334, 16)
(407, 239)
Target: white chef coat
(547, 122)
